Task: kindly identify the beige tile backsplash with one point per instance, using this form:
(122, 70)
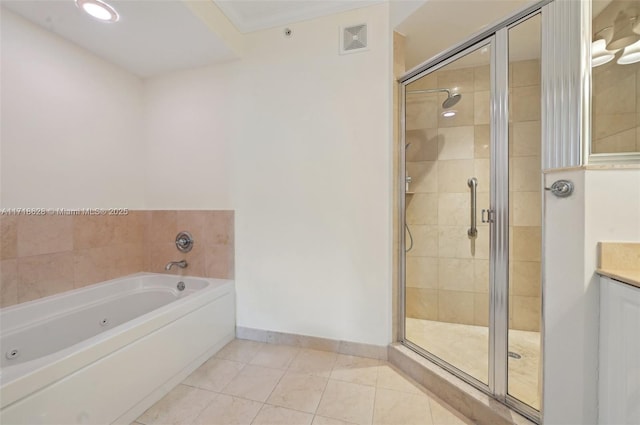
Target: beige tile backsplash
(447, 274)
(44, 235)
(45, 255)
(43, 275)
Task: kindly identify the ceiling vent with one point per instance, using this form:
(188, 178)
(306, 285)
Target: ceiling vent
(353, 39)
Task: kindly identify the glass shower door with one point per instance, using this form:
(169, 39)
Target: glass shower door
(525, 218)
(447, 153)
(472, 206)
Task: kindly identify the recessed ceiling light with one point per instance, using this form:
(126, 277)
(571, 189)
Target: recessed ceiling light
(99, 10)
(450, 113)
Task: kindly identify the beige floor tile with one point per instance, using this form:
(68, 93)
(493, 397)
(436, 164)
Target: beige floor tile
(292, 397)
(240, 350)
(313, 361)
(298, 391)
(348, 402)
(275, 415)
(254, 383)
(180, 406)
(214, 374)
(276, 356)
(227, 410)
(358, 370)
(443, 414)
(323, 420)
(391, 379)
(396, 407)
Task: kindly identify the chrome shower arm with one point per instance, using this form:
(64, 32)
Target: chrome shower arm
(431, 91)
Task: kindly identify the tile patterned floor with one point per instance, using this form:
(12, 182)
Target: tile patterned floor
(254, 383)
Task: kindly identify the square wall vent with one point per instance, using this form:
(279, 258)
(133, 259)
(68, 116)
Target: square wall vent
(353, 39)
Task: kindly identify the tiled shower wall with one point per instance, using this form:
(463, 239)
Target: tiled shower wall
(45, 255)
(447, 274)
(525, 198)
(445, 279)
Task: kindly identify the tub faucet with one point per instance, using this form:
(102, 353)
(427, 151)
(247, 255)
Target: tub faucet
(182, 264)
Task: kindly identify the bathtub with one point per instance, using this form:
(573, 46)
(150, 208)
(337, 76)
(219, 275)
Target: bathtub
(105, 353)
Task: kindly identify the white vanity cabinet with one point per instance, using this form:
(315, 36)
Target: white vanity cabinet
(619, 373)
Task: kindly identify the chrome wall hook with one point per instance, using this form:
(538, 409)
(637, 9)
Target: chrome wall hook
(561, 188)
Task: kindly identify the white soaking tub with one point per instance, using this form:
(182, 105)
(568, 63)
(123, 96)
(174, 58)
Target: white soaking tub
(105, 353)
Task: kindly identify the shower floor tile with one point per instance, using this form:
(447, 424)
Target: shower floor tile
(466, 347)
(305, 387)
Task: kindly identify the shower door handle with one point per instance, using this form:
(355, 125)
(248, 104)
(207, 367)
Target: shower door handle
(473, 185)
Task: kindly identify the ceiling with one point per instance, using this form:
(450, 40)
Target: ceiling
(154, 37)
(248, 16)
(151, 37)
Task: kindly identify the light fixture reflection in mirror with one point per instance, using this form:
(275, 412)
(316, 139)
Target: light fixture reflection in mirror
(631, 54)
(599, 53)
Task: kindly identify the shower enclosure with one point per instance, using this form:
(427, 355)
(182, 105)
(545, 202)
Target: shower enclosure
(471, 204)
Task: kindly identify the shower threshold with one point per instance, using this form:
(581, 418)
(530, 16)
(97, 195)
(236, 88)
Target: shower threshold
(468, 400)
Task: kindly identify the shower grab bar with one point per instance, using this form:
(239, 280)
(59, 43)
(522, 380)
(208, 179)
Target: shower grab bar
(473, 185)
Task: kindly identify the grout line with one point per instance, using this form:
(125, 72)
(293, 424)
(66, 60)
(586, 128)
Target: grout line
(315, 411)
(275, 386)
(289, 408)
(375, 397)
(207, 406)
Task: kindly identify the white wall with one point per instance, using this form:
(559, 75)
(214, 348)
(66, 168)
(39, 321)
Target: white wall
(71, 135)
(604, 207)
(188, 127)
(312, 182)
(570, 310)
(295, 138)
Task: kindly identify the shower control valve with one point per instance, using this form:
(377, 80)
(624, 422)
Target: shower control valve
(184, 241)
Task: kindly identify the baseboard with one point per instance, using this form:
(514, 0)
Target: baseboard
(324, 344)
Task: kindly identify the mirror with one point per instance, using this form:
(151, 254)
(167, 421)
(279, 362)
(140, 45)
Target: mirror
(615, 103)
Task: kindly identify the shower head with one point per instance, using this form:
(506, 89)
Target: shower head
(451, 100)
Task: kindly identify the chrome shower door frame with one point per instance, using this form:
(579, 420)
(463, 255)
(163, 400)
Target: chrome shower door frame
(499, 160)
(497, 38)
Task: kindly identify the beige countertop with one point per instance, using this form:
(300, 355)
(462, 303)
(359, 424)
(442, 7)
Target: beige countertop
(630, 277)
(620, 261)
